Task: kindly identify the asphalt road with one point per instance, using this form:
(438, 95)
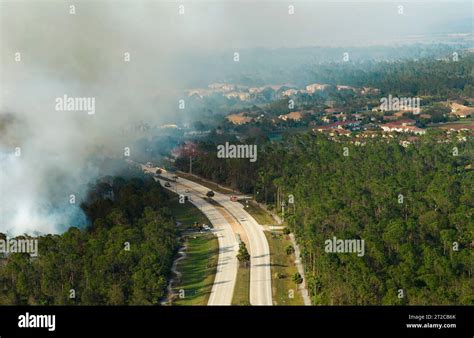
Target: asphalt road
(260, 273)
(226, 274)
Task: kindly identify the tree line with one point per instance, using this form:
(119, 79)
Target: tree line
(412, 206)
(122, 257)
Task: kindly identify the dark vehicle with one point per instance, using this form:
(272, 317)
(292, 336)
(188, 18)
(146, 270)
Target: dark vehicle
(167, 184)
(210, 193)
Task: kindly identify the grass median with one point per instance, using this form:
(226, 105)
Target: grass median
(187, 213)
(284, 290)
(260, 215)
(242, 286)
(208, 184)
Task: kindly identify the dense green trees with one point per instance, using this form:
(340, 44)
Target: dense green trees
(413, 206)
(124, 257)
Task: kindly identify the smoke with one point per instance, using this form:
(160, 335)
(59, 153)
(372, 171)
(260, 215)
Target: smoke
(45, 153)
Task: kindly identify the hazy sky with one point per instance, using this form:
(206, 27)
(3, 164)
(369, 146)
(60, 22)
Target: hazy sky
(321, 23)
(240, 24)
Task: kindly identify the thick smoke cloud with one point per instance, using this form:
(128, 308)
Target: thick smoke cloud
(44, 152)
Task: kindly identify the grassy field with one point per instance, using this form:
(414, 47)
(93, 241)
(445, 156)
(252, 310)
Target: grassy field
(242, 287)
(283, 265)
(186, 213)
(260, 215)
(198, 269)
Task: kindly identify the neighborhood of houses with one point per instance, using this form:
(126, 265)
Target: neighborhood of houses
(334, 120)
(245, 93)
(408, 119)
(382, 117)
(387, 122)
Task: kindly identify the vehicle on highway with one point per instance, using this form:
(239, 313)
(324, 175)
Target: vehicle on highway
(206, 227)
(242, 219)
(210, 193)
(167, 184)
(233, 198)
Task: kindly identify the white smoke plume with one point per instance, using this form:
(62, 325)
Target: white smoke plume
(47, 53)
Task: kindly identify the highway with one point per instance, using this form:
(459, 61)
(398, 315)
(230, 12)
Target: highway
(227, 264)
(260, 273)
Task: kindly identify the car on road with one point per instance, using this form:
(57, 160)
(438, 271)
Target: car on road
(242, 219)
(233, 198)
(210, 193)
(167, 184)
(206, 227)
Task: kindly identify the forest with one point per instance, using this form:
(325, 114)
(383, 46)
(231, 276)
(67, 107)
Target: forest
(440, 78)
(413, 206)
(123, 257)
